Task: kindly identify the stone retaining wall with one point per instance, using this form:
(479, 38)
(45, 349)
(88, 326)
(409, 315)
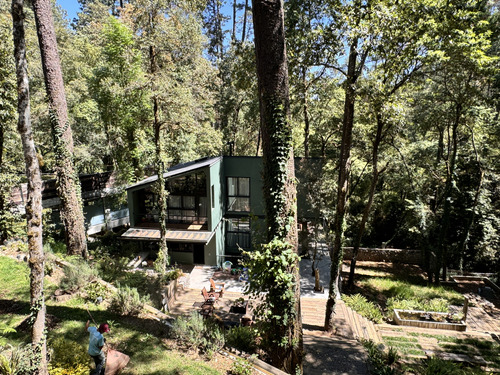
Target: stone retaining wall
(385, 255)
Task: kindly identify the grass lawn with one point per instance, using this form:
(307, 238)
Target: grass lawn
(140, 338)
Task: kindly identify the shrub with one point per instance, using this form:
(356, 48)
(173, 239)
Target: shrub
(242, 338)
(112, 268)
(95, 290)
(77, 276)
(437, 366)
(199, 333)
(364, 307)
(68, 358)
(241, 367)
(127, 301)
(435, 304)
(170, 275)
(15, 360)
(381, 361)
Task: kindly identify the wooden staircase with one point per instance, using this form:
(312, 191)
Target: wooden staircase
(348, 323)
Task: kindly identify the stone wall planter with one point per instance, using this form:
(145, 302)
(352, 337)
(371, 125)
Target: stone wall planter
(401, 318)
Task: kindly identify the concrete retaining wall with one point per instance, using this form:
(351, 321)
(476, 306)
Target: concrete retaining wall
(385, 255)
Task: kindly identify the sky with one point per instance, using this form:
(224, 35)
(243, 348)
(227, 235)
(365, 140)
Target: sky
(71, 6)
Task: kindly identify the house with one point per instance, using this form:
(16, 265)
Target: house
(102, 207)
(215, 208)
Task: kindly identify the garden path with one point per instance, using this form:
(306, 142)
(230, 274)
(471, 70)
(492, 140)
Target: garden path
(324, 353)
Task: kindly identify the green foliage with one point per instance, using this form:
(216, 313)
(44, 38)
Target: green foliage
(382, 362)
(242, 338)
(405, 295)
(171, 275)
(77, 276)
(270, 270)
(162, 261)
(364, 307)
(198, 333)
(128, 301)
(95, 290)
(68, 358)
(437, 366)
(16, 360)
(14, 276)
(112, 268)
(241, 367)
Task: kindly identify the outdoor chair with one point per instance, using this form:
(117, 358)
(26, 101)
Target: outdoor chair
(210, 297)
(216, 287)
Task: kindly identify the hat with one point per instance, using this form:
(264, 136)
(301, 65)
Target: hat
(104, 327)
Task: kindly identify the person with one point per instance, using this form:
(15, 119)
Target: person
(96, 343)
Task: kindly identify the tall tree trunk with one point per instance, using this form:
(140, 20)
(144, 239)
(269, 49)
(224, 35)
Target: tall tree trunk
(163, 259)
(306, 112)
(336, 252)
(3, 196)
(34, 204)
(68, 183)
(278, 162)
(368, 207)
(470, 221)
(442, 245)
(463, 241)
(244, 29)
(233, 33)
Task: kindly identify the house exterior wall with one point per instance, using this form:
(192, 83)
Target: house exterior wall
(211, 251)
(218, 215)
(214, 194)
(246, 166)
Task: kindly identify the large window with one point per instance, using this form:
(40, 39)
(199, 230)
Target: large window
(187, 201)
(238, 194)
(237, 235)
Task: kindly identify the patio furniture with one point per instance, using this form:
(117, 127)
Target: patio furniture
(206, 309)
(215, 289)
(240, 307)
(210, 296)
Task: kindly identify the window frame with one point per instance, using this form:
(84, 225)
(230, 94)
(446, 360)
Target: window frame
(233, 249)
(237, 194)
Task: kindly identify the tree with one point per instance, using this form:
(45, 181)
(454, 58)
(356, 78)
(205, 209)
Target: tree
(355, 64)
(8, 142)
(67, 177)
(118, 88)
(311, 45)
(34, 205)
(283, 298)
(169, 34)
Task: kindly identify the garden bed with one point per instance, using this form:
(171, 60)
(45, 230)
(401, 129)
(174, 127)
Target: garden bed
(426, 319)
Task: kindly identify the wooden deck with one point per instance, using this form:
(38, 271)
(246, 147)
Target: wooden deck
(347, 322)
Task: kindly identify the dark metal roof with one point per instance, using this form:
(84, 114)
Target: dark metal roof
(150, 234)
(180, 169)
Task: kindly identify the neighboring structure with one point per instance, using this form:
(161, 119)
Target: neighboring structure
(101, 206)
(215, 207)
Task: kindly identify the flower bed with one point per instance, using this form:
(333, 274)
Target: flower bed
(426, 319)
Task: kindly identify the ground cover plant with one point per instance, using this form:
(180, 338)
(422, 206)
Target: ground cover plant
(399, 290)
(144, 340)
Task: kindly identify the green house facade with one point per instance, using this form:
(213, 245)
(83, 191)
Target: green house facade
(215, 209)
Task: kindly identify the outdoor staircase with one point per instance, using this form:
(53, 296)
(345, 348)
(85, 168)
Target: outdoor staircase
(347, 322)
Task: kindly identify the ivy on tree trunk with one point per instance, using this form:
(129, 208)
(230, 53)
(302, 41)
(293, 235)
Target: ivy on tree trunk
(34, 203)
(279, 181)
(68, 184)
